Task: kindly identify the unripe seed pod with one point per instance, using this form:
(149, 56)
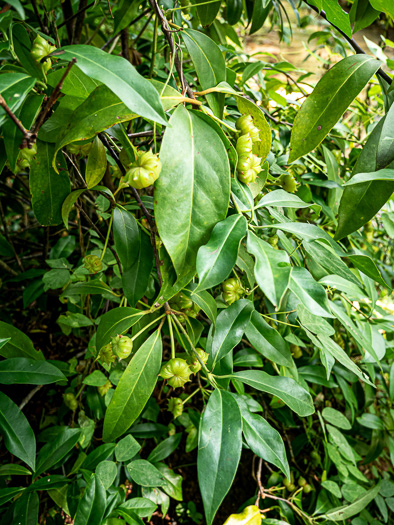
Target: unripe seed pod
(244, 145)
(122, 346)
(176, 371)
(41, 48)
(144, 170)
(175, 406)
(70, 401)
(28, 153)
(296, 351)
(92, 263)
(288, 182)
(244, 124)
(232, 290)
(102, 390)
(81, 150)
(273, 240)
(307, 489)
(302, 481)
(194, 363)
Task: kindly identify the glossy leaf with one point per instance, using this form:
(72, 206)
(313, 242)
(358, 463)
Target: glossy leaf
(19, 345)
(207, 12)
(14, 88)
(281, 198)
(219, 450)
(24, 371)
(193, 155)
(311, 294)
(134, 388)
(272, 268)
(217, 258)
(48, 187)
(106, 472)
(26, 509)
(332, 95)
(173, 482)
(229, 329)
(135, 279)
(126, 237)
(367, 266)
(268, 341)
(145, 474)
(116, 322)
(55, 450)
(120, 77)
(347, 511)
(68, 203)
(165, 448)
(202, 299)
(17, 433)
(288, 390)
(96, 164)
(209, 63)
(93, 287)
(91, 508)
(13, 469)
(261, 9)
(76, 83)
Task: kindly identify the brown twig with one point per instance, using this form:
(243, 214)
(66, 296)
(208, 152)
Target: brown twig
(68, 19)
(35, 9)
(12, 116)
(29, 396)
(177, 61)
(82, 10)
(52, 99)
(131, 23)
(124, 39)
(82, 7)
(7, 236)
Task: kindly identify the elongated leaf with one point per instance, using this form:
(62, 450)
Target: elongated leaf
(14, 88)
(91, 508)
(360, 202)
(13, 469)
(234, 11)
(125, 14)
(272, 268)
(329, 100)
(207, 12)
(24, 371)
(134, 388)
(121, 78)
(360, 178)
(264, 441)
(311, 294)
(281, 198)
(165, 448)
(93, 287)
(68, 203)
(367, 266)
(135, 280)
(116, 322)
(56, 449)
(100, 111)
(17, 433)
(261, 9)
(202, 299)
(9, 493)
(335, 14)
(268, 341)
(209, 63)
(382, 5)
(193, 155)
(19, 345)
(48, 187)
(26, 509)
(76, 83)
(96, 164)
(126, 236)
(230, 327)
(219, 450)
(217, 258)
(290, 392)
(347, 511)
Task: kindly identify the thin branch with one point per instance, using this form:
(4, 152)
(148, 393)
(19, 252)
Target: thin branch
(29, 396)
(167, 33)
(75, 15)
(79, 21)
(351, 41)
(35, 9)
(131, 23)
(12, 116)
(7, 236)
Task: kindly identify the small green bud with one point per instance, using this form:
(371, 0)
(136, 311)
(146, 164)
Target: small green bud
(122, 346)
(288, 182)
(144, 170)
(194, 363)
(102, 390)
(232, 290)
(92, 263)
(175, 406)
(176, 371)
(70, 401)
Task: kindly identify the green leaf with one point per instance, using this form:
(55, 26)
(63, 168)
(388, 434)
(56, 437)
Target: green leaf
(288, 390)
(145, 474)
(116, 322)
(207, 12)
(261, 9)
(96, 378)
(384, 174)
(100, 111)
(93, 287)
(367, 266)
(173, 482)
(17, 433)
(281, 198)
(165, 448)
(121, 78)
(99, 454)
(189, 146)
(55, 450)
(126, 237)
(202, 299)
(335, 14)
(268, 341)
(24, 371)
(209, 63)
(13, 469)
(76, 83)
(91, 507)
(20, 344)
(68, 203)
(229, 329)
(264, 441)
(272, 268)
(106, 472)
(383, 5)
(126, 448)
(125, 14)
(134, 388)
(26, 509)
(347, 511)
(311, 294)
(336, 418)
(48, 187)
(234, 11)
(143, 507)
(248, 107)
(135, 280)
(360, 202)
(14, 88)
(332, 95)
(9, 493)
(96, 164)
(217, 258)
(219, 450)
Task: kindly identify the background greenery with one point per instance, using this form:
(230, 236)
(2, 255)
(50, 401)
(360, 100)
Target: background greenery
(210, 333)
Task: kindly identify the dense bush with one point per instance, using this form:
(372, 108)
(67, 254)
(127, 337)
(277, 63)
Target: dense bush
(196, 266)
